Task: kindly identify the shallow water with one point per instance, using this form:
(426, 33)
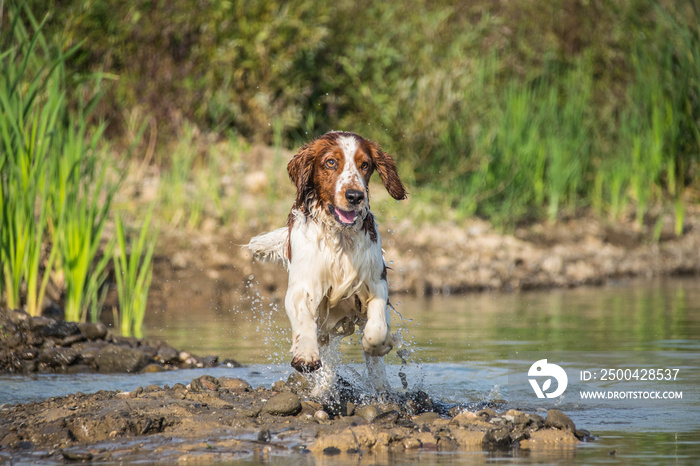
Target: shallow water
(461, 351)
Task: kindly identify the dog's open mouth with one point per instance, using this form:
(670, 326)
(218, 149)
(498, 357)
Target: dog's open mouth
(344, 217)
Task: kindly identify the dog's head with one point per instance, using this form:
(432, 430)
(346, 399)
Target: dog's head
(334, 171)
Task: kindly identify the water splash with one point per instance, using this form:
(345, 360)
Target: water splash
(342, 377)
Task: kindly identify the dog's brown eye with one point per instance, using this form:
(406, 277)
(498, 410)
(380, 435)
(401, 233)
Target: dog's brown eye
(331, 163)
(364, 166)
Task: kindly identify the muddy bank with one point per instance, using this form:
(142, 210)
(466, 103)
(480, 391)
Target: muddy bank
(42, 344)
(212, 269)
(585, 251)
(215, 420)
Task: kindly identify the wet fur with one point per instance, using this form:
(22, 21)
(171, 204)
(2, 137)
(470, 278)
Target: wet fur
(337, 274)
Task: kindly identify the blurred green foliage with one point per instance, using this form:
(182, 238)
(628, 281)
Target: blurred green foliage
(511, 110)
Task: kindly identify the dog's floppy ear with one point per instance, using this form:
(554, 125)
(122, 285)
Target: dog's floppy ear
(300, 170)
(386, 167)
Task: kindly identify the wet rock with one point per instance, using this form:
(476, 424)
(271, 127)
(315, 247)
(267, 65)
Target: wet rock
(310, 407)
(58, 357)
(388, 417)
(284, 404)
(209, 361)
(487, 413)
(498, 438)
(468, 439)
(130, 342)
(39, 322)
(331, 451)
(24, 341)
(231, 363)
(349, 421)
(349, 409)
(535, 420)
(516, 417)
(168, 355)
(321, 415)
(279, 386)
(467, 418)
(418, 402)
(299, 383)
(264, 436)
(153, 368)
(548, 438)
(148, 350)
(52, 434)
(355, 438)
(410, 443)
(18, 317)
(426, 418)
(113, 358)
(60, 329)
(368, 412)
(72, 339)
(92, 331)
(28, 353)
(77, 456)
(88, 353)
(11, 337)
(559, 420)
(446, 443)
(233, 384)
(519, 434)
(203, 384)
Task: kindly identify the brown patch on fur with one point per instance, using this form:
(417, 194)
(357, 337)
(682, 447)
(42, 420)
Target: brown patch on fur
(290, 224)
(368, 227)
(326, 177)
(303, 166)
(364, 154)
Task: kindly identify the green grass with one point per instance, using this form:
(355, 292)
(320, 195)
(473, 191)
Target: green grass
(81, 200)
(30, 108)
(133, 270)
(55, 193)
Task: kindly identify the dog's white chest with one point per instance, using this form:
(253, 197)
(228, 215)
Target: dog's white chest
(341, 263)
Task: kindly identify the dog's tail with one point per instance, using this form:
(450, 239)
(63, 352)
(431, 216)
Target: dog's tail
(271, 247)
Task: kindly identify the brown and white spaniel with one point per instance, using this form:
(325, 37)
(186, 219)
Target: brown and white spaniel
(332, 249)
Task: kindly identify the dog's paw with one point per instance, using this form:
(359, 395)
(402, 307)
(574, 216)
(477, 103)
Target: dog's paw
(306, 366)
(377, 339)
(306, 357)
(378, 348)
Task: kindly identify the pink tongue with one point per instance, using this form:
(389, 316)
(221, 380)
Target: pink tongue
(347, 217)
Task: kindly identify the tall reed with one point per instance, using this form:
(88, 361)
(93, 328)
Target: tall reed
(31, 104)
(81, 200)
(133, 269)
(51, 183)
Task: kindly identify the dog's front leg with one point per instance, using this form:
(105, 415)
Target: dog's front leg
(301, 310)
(377, 339)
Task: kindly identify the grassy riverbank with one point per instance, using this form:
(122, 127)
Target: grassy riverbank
(512, 112)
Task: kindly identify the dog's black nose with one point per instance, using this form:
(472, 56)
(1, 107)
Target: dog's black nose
(354, 196)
